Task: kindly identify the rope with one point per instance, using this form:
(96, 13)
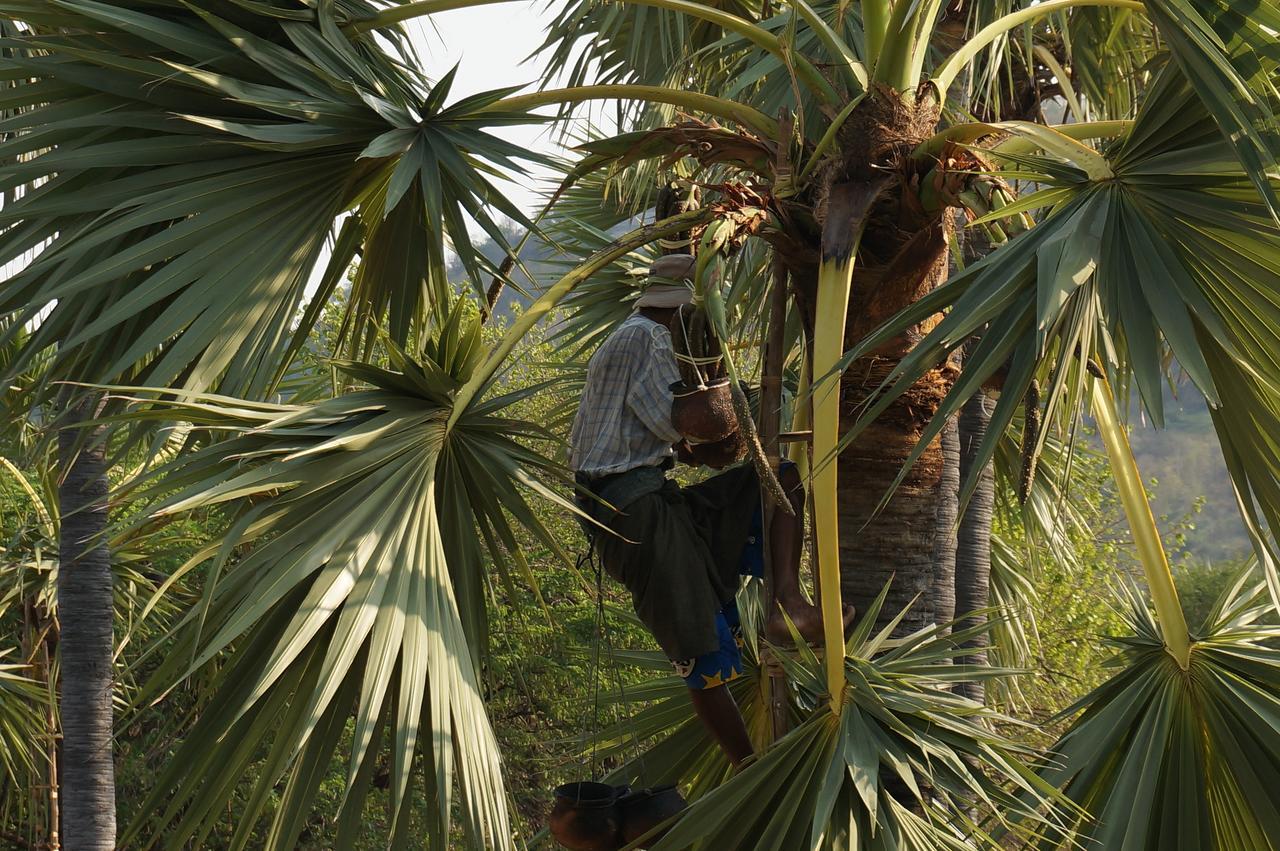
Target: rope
(698, 361)
(689, 358)
(591, 559)
(588, 558)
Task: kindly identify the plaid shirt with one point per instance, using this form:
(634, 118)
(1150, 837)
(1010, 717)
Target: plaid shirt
(624, 419)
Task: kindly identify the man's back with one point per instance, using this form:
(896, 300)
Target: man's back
(624, 419)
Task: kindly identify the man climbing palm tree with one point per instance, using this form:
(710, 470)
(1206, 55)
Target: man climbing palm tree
(679, 550)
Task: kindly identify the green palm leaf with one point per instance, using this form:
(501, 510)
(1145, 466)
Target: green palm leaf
(184, 167)
(1229, 56)
(21, 726)
(352, 589)
(1178, 760)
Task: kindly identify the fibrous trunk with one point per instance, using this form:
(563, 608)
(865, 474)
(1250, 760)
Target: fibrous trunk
(85, 616)
(973, 549)
(894, 541)
(944, 545)
(902, 256)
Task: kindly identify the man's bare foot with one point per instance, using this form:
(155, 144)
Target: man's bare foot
(808, 622)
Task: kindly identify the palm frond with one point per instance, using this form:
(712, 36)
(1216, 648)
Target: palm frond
(183, 167)
(21, 723)
(1166, 759)
(358, 583)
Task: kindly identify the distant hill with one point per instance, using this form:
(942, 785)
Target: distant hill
(1184, 459)
(534, 255)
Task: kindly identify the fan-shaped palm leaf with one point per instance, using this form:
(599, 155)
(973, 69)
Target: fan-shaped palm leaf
(357, 591)
(1180, 760)
(184, 166)
(22, 726)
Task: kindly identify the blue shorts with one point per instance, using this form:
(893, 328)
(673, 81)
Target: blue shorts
(724, 664)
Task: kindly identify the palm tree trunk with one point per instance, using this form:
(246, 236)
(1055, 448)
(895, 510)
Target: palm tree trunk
(85, 614)
(973, 549)
(893, 542)
(901, 257)
(945, 541)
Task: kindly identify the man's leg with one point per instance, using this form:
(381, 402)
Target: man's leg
(786, 537)
(708, 677)
(718, 712)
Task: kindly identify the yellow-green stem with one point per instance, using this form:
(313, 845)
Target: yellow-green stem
(694, 101)
(753, 33)
(875, 23)
(895, 51)
(834, 279)
(1146, 537)
(945, 75)
(548, 300)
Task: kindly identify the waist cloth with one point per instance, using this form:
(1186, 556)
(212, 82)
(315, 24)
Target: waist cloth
(678, 550)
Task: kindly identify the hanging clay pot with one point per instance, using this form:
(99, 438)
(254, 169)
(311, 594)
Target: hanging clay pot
(704, 414)
(645, 809)
(586, 817)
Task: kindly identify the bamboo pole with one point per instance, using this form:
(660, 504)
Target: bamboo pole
(770, 427)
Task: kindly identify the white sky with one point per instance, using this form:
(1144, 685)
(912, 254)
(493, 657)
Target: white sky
(492, 44)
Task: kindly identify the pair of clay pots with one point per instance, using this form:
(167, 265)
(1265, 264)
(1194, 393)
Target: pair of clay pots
(600, 817)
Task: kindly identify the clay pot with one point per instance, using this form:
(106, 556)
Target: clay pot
(704, 414)
(645, 809)
(586, 816)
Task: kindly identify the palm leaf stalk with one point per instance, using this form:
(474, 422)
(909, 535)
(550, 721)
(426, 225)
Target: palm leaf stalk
(845, 225)
(692, 101)
(1151, 554)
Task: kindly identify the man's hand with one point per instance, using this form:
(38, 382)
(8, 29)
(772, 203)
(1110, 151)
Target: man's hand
(716, 455)
(685, 453)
